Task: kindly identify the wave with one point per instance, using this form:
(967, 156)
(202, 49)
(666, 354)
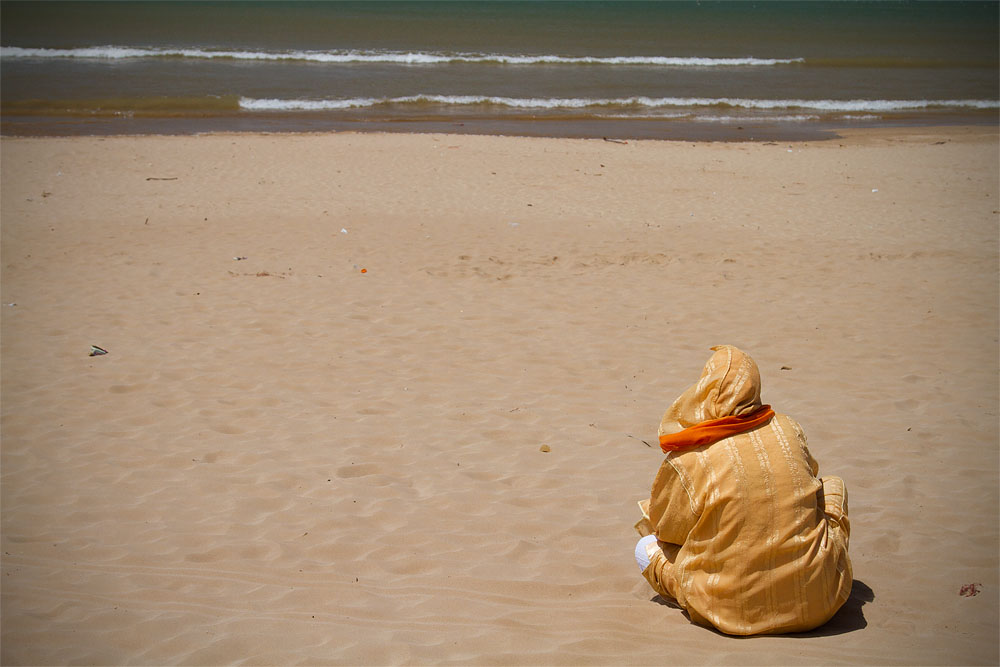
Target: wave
(664, 108)
(389, 57)
(637, 103)
(344, 56)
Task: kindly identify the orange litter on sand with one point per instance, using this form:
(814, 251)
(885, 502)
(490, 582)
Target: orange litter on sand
(970, 590)
(364, 270)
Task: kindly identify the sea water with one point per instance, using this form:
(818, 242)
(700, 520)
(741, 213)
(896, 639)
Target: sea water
(560, 68)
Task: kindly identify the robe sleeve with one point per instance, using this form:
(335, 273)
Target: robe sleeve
(835, 503)
(672, 511)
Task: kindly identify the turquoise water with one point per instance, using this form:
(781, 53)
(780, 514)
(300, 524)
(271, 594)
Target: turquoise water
(616, 67)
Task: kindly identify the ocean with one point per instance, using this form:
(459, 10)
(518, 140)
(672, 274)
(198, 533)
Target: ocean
(617, 69)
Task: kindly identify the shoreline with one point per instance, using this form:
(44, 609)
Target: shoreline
(841, 134)
(638, 129)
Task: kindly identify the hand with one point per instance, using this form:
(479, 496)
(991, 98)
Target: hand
(652, 548)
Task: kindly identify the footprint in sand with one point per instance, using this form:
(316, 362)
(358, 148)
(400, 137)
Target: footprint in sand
(358, 470)
(125, 388)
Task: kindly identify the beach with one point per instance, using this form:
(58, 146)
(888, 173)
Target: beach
(392, 398)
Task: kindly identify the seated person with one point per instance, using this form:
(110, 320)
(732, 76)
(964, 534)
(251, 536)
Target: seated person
(739, 529)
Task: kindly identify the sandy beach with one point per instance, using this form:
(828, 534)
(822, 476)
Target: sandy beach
(334, 360)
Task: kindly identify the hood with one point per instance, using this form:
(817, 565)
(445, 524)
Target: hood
(729, 385)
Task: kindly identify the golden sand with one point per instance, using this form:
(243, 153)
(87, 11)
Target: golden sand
(335, 363)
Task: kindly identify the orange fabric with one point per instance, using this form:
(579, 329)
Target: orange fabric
(714, 430)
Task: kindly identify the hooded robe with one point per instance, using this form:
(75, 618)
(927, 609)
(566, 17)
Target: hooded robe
(752, 541)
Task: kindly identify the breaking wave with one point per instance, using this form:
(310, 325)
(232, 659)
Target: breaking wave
(635, 103)
(390, 57)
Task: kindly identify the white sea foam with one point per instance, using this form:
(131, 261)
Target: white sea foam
(106, 52)
(637, 103)
(797, 118)
(270, 104)
(660, 115)
(395, 57)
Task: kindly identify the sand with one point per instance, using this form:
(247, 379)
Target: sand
(330, 452)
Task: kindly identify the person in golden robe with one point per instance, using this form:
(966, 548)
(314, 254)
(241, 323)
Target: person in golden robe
(738, 527)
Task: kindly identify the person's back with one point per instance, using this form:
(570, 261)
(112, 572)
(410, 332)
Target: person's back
(750, 541)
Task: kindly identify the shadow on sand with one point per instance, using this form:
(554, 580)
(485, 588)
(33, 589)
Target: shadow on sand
(849, 617)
